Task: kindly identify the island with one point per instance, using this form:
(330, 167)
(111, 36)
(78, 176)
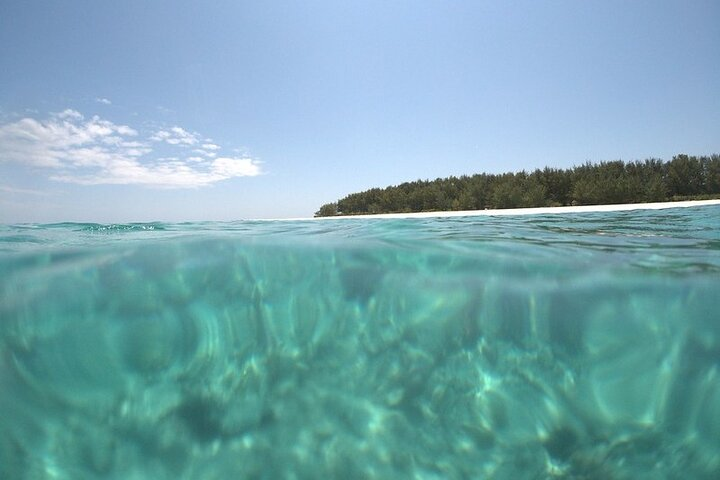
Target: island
(685, 177)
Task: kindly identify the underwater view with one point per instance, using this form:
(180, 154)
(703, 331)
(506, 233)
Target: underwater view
(563, 346)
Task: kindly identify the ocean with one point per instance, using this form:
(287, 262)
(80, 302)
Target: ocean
(562, 346)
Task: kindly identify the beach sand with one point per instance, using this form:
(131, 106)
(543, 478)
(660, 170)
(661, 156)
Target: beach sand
(534, 211)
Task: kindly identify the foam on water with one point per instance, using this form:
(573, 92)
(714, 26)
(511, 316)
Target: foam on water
(559, 346)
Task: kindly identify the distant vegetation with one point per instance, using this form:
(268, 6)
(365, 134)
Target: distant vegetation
(683, 178)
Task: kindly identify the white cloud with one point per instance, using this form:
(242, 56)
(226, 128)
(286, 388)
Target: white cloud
(235, 167)
(24, 191)
(175, 136)
(70, 113)
(210, 146)
(205, 153)
(96, 151)
(103, 101)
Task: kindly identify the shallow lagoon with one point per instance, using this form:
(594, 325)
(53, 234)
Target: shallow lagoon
(582, 345)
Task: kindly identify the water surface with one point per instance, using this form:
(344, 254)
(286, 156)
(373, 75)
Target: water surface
(578, 346)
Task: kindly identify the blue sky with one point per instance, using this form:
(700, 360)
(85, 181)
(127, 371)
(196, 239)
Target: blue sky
(223, 110)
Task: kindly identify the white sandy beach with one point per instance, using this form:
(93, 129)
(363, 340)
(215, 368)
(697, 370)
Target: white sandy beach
(535, 211)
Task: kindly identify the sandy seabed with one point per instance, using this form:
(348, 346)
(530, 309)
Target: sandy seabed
(535, 211)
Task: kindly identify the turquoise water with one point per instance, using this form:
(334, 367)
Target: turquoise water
(579, 346)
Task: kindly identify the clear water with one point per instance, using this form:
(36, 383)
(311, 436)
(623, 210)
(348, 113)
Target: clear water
(581, 346)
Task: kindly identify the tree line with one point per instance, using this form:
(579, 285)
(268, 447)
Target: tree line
(653, 180)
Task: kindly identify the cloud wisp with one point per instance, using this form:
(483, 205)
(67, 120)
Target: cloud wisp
(176, 136)
(93, 151)
(23, 191)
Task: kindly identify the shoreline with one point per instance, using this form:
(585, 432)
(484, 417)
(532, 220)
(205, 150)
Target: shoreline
(529, 211)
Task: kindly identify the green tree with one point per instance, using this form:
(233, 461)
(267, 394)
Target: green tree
(586, 184)
(327, 210)
(507, 192)
(712, 174)
(684, 176)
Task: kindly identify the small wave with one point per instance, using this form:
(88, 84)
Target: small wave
(116, 227)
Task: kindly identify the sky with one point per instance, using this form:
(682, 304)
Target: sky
(227, 110)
